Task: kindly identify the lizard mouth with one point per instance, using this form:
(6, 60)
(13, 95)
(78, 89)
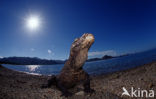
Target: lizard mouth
(85, 41)
(89, 39)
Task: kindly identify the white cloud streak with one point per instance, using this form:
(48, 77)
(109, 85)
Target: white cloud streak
(49, 51)
(102, 53)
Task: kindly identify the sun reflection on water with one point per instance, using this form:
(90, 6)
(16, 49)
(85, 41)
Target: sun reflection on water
(33, 67)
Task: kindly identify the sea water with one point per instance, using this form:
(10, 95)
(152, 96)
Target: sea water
(95, 67)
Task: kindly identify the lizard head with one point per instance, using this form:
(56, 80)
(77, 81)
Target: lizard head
(79, 50)
(84, 42)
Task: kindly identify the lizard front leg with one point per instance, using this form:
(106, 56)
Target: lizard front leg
(64, 91)
(86, 85)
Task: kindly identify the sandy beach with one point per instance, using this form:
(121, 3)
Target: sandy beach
(19, 85)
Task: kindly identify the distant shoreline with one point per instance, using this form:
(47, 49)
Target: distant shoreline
(38, 61)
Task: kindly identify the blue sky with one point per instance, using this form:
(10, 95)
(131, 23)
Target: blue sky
(119, 26)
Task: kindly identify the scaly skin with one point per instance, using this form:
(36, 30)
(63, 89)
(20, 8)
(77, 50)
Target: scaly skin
(72, 72)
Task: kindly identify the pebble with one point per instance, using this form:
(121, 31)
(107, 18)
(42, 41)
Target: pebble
(80, 93)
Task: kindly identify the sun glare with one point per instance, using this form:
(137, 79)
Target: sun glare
(33, 23)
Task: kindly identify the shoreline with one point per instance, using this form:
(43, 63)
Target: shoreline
(19, 85)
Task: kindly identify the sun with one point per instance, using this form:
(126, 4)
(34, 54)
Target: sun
(33, 23)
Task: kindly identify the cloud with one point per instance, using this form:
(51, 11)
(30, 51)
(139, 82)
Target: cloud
(49, 51)
(102, 53)
(1, 56)
(32, 49)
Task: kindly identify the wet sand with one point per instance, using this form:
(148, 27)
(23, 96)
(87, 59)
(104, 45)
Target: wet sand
(19, 85)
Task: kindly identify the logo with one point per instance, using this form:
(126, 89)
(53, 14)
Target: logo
(138, 93)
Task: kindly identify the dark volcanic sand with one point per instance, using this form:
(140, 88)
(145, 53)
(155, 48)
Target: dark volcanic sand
(18, 85)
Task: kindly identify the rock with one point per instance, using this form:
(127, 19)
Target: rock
(117, 76)
(80, 93)
(150, 85)
(142, 79)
